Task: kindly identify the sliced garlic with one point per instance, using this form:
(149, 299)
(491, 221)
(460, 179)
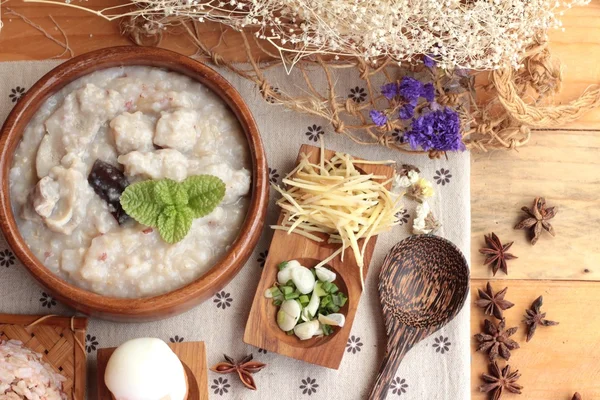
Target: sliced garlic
(313, 305)
(285, 274)
(332, 319)
(324, 274)
(303, 279)
(306, 330)
(288, 315)
(305, 315)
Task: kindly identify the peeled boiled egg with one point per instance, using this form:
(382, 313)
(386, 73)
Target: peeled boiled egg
(145, 369)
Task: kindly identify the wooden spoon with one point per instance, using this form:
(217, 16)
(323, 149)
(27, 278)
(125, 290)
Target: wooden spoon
(423, 284)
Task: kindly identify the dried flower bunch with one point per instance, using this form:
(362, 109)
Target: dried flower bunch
(417, 118)
(480, 35)
(381, 39)
(408, 182)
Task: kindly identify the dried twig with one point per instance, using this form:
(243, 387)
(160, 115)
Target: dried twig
(64, 45)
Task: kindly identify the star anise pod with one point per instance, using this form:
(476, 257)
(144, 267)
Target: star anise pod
(493, 304)
(496, 341)
(500, 380)
(244, 368)
(537, 219)
(535, 317)
(496, 253)
(576, 396)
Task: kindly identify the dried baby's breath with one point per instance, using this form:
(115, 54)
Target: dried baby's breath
(456, 33)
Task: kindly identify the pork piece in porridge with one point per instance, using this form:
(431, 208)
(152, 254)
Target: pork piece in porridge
(113, 128)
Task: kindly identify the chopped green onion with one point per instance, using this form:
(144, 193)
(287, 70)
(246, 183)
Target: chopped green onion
(304, 300)
(319, 289)
(325, 298)
(282, 265)
(333, 308)
(336, 300)
(291, 296)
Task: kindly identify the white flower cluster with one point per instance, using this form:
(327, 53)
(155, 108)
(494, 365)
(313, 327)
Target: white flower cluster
(476, 34)
(424, 222)
(473, 34)
(408, 182)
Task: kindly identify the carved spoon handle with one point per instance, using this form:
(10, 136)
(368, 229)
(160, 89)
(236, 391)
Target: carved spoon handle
(391, 361)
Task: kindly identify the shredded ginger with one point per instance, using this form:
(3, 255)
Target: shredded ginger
(23, 375)
(333, 199)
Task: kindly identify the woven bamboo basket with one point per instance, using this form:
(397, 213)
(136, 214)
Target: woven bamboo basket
(60, 341)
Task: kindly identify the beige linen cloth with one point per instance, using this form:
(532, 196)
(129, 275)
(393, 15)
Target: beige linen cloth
(437, 368)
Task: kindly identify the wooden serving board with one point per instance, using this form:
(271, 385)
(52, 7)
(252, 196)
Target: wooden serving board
(193, 358)
(262, 330)
(55, 338)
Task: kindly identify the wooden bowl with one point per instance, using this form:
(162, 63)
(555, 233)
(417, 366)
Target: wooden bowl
(182, 299)
(185, 397)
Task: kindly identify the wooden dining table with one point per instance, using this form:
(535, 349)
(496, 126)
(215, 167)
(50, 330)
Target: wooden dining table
(561, 164)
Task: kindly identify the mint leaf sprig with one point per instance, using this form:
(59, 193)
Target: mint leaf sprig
(171, 206)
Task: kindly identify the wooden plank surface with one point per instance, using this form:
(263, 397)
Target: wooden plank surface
(86, 32)
(559, 360)
(561, 165)
(578, 49)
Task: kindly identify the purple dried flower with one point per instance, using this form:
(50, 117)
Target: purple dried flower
(428, 61)
(378, 117)
(428, 92)
(437, 130)
(410, 89)
(406, 111)
(390, 90)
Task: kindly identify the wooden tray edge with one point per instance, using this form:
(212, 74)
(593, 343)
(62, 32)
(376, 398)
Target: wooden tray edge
(314, 354)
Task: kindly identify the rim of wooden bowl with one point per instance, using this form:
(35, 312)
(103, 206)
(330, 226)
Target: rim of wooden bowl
(190, 295)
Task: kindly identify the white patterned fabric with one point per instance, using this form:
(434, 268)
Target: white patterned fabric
(437, 368)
